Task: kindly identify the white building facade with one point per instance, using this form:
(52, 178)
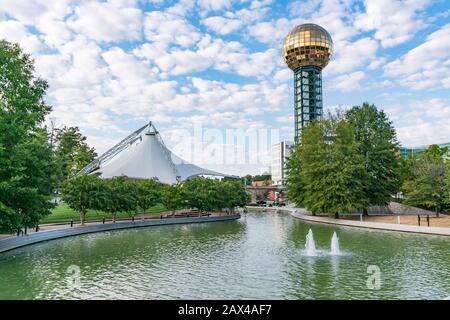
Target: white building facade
(279, 154)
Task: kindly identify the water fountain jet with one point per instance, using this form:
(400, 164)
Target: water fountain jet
(310, 244)
(335, 245)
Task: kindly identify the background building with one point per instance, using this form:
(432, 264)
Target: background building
(306, 51)
(143, 155)
(408, 151)
(278, 156)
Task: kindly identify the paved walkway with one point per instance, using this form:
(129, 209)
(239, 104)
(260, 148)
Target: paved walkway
(62, 231)
(303, 214)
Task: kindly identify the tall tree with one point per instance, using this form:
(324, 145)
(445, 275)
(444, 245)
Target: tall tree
(120, 196)
(200, 194)
(238, 196)
(428, 187)
(173, 197)
(25, 154)
(377, 144)
(406, 167)
(148, 194)
(83, 193)
(72, 151)
(294, 178)
(328, 175)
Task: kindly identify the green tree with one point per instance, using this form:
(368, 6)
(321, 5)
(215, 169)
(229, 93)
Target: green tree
(201, 194)
(120, 195)
(377, 144)
(83, 193)
(209, 194)
(248, 180)
(72, 151)
(26, 160)
(428, 187)
(173, 197)
(435, 153)
(406, 168)
(294, 178)
(330, 168)
(262, 177)
(148, 194)
(238, 196)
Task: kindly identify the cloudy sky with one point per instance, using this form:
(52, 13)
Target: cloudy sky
(216, 65)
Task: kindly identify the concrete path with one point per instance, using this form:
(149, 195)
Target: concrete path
(373, 225)
(303, 214)
(63, 231)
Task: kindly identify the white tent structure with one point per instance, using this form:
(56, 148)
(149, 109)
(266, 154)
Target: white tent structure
(143, 155)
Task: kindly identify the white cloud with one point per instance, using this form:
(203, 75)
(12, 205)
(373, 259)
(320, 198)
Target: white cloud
(283, 75)
(424, 133)
(24, 11)
(167, 28)
(15, 31)
(107, 21)
(337, 18)
(45, 16)
(272, 32)
(84, 64)
(348, 82)
(130, 71)
(285, 119)
(394, 21)
(222, 25)
(376, 63)
(183, 61)
(421, 122)
(54, 32)
(425, 66)
(226, 56)
(214, 5)
(352, 55)
(303, 7)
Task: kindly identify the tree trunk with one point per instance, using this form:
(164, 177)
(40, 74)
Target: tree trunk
(82, 216)
(437, 212)
(143, 214)
(114, 217)
(173, 213)
(336, 215)
(365, 213)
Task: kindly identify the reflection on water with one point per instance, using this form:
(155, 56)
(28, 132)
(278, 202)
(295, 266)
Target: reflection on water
(256, 257)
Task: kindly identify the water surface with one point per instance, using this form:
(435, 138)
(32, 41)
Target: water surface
(256, 257)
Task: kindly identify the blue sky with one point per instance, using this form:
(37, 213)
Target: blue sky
(216, 65)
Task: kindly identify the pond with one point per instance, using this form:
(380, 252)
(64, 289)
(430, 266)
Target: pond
(260, 256)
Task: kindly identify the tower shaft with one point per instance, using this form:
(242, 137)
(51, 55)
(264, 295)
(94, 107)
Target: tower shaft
(307, 97)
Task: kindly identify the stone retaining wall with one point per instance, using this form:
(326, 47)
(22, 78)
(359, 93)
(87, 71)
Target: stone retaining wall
(16, 242)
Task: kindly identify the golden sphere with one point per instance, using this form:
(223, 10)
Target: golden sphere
(307, 45)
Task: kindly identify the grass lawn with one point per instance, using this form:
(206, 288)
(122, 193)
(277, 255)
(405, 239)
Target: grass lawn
(62, 213)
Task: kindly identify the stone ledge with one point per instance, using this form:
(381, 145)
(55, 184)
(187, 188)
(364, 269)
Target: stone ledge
(374, 225)
(17, 242)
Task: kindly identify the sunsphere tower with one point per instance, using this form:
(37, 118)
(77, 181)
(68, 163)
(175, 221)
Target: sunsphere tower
(306, 51)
